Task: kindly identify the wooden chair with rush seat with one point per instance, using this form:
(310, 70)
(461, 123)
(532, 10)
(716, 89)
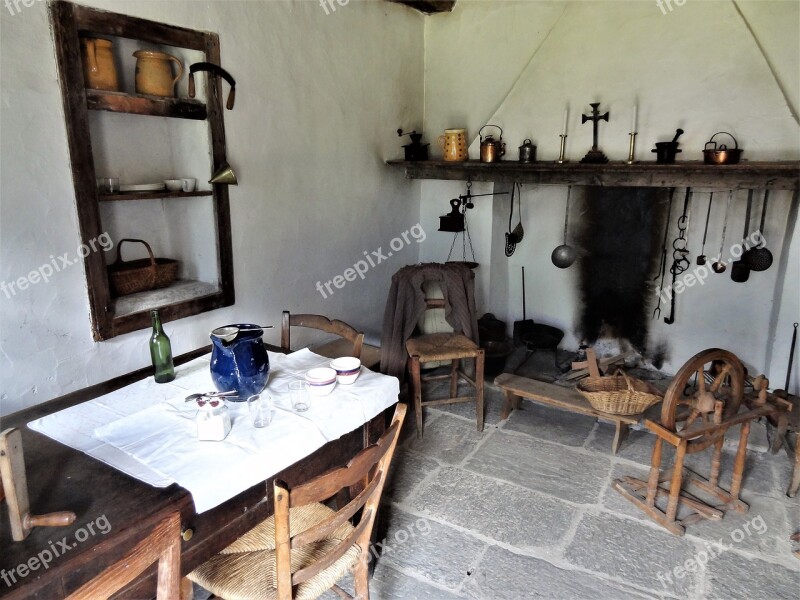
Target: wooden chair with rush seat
(306, 547)
(350, 342)
(436, 347)
(162, 545)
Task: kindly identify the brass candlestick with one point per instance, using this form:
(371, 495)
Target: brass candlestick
(561, 160)
(632, 147)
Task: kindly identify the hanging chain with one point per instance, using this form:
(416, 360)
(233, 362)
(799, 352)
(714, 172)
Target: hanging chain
(679, 251)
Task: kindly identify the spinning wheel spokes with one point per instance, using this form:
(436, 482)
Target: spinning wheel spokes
(724, 372)
(703, 397)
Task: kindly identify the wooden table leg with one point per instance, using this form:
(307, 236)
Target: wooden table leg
(512, 401)
(620, 435)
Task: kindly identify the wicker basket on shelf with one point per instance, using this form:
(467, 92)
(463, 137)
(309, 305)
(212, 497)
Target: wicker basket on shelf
(140, 275)
(619, 394)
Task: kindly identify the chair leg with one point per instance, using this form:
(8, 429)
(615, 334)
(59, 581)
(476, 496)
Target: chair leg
(361, 577)
(479, 360)
(795, 484)
(416, 390)
(454, 377)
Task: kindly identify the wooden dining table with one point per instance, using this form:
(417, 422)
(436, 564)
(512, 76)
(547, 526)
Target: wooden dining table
(114, 510)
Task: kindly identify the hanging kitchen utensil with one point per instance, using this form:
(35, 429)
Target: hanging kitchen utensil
(662, 269)
(740, 272)
(523, 328)
(679, 261)
(224, 175)
(217, 71)
(721, 154)
(465, 204)
(491, 149)
(791, 358)
(701, 259)
(719, 266)
(563, 256)
(514, 237)
(760, 258)
(454, 220)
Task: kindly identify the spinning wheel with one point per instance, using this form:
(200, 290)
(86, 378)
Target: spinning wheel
(706, 391)
(699, 407)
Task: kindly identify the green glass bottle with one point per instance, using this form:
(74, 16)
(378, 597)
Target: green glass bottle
(161, 352)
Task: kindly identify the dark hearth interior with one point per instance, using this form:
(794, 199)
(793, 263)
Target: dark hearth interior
(620, 236)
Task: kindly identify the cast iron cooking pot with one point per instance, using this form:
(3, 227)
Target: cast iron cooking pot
(721, 155)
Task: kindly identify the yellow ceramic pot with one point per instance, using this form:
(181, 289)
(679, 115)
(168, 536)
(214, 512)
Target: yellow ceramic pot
(154, 74)
(454, 144)
(99, 71)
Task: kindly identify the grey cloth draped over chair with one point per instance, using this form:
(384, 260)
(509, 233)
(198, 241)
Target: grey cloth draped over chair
(406, 304)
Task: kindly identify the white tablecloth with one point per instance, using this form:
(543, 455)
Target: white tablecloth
(147, 430)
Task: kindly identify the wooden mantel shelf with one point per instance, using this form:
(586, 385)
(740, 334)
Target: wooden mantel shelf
(784, 175)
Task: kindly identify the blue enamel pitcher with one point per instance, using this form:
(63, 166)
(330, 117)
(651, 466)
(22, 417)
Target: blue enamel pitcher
(239, 360)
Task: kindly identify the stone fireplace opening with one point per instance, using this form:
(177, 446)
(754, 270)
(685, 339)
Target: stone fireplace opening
(620, 235)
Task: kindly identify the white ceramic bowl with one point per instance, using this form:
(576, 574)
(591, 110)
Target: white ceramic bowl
(347, 368)
(321, 381)
(173, 185)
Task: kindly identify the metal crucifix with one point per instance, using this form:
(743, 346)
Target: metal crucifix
(594, 155)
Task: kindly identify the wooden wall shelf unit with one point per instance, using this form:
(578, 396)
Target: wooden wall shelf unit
(783, 175)
(70, 22)
(151, 195)
(137, 104)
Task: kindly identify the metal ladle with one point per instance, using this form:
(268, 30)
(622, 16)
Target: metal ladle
(228, 334)
(563, 256)
(718, 266)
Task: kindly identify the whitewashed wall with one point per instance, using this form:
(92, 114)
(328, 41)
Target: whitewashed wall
(319, 97)
(704, 67)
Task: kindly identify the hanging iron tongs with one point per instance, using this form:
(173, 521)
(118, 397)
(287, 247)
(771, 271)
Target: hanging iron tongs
(218, 71)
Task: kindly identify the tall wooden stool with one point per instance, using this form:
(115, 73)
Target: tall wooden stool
(453, 347)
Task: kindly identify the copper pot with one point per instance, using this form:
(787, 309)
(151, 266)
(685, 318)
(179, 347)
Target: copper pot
(721, 155)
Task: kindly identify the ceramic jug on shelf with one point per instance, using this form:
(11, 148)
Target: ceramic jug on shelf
(454, 145)
(99, 71)
(241, 363)
(154, 74)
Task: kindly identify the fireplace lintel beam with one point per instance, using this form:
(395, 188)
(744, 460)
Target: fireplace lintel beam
(781, 175)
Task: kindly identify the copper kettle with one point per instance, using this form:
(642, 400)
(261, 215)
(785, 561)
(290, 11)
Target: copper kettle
(491, 149)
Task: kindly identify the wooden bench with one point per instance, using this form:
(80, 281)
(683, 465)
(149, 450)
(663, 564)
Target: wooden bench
(515, 387)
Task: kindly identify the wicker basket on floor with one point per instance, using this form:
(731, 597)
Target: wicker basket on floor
(619, 394)
(129, 277)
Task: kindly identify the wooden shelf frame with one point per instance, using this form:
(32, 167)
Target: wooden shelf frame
(784, 175)
(139, 104)
(69, 22)
(162, 195)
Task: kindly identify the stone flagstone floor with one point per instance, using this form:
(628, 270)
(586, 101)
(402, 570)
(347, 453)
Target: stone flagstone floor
(526, 510)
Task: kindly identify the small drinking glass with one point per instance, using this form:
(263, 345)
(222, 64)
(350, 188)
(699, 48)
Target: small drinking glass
(260, 407)
(298, 393)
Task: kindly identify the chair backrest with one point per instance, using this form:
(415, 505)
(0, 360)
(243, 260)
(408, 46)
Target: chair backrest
(321, 323)
(366, 474)
(162, 545)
